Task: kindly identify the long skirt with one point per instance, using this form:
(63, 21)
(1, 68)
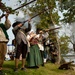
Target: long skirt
(34, 56)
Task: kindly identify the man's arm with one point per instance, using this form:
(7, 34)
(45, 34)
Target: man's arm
(7, 22)
(29, 26)
(15, 29)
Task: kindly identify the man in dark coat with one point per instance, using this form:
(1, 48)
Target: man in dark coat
(20, 31)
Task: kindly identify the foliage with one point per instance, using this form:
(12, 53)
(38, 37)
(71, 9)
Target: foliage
(5, 8)
(48, 17)
(69, 7)
(49, 14)
(64, 42)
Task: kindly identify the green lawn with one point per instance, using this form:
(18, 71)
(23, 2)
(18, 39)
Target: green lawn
(48, 69)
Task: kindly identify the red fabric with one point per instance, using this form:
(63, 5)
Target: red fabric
(33, 41)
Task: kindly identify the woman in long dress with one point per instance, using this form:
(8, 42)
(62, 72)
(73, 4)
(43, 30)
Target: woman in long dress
(40, 44)
(34, 56)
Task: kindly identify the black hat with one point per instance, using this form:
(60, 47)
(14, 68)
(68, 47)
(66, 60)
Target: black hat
(16, 23)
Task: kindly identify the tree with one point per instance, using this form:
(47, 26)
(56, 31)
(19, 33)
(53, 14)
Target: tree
(4, 8)
(68, 9)
(48, 18)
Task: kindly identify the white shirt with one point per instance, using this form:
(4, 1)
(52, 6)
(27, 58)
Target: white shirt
(40, 44)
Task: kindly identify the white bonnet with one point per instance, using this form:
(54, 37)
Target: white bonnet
(30, 31)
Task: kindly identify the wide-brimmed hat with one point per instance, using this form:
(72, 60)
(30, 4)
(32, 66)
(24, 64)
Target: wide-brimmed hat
(16, 23)
(41, 32)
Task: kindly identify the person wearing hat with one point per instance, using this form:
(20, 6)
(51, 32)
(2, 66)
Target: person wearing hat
(4, 38)
(34, 59)
(40, 44)
(21, 47)
(53, 52)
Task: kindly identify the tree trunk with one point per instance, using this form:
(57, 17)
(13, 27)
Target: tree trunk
(58, 47)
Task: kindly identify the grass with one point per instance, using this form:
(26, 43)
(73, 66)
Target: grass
(48, 69)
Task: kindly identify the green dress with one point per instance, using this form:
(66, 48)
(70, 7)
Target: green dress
(34, 56)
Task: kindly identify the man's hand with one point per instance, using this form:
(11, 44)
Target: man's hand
(6, 15)
(29, 20)
(19, 25)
